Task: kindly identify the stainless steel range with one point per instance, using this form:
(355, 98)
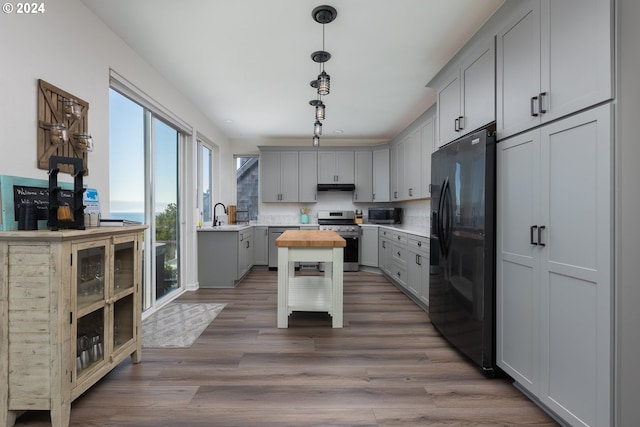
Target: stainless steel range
(343, 223)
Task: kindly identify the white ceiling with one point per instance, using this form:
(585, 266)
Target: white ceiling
(246, 64)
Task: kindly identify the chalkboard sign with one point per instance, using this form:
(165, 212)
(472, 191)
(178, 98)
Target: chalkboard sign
(39, 197)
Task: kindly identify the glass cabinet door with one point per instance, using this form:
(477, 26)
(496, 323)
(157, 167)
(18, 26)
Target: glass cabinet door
(90, 280)
(90, 341)
(90, 276)
(124, 282)
(123, 266)
(123, 324)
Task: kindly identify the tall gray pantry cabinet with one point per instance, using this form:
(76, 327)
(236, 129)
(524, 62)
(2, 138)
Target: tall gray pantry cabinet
(554, 266)
(554, 205)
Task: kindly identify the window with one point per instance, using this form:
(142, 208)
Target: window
(247, 179)
(205, 182)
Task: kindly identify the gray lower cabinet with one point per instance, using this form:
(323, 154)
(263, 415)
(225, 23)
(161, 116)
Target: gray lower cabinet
(260, 245)
(224, 257)
(245, 251)
(369, 246)
(385, 250)
(404, 258)
(418, 267)
(393, 255)
(400, 257)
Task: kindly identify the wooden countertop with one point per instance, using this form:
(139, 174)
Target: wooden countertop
(310, 238)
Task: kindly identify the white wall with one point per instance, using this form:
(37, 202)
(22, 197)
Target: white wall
(72, 49)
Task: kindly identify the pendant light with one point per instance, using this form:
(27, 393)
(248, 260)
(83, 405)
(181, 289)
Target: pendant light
(322, 15)
(320, 108)
(324, 83)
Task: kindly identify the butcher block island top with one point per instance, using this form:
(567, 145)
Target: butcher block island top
(310, 238)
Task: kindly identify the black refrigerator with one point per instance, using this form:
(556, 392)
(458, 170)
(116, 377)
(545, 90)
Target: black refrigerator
(462, 250)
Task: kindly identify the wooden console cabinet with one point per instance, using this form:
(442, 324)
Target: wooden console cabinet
(70, 311)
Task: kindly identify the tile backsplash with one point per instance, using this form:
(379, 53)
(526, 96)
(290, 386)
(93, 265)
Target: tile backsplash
(416, 214)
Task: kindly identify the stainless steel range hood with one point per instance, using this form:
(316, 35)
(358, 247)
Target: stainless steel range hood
(336, 187)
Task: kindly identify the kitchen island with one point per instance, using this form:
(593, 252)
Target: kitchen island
(310, 293)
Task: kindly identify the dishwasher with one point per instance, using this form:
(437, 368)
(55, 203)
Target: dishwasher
(274, 233)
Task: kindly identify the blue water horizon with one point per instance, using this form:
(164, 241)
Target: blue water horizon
(131, 216)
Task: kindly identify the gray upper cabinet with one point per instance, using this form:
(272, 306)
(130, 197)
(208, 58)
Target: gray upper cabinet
(397, 171)
(308, 176)
(336, 167)
(553, 59)
(448, 109)
(363, 176)
(478, 95)
(412, 169)
(381, 175)
(427, 143)
(466, 96)
(279, 176)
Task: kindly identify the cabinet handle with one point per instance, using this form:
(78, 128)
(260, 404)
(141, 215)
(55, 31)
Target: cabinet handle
(398, 237)
(531, 231)
(355, 196)
(533, 100)
(384, 245)
(418, 259)
(540, 99)
(461, 123)
(542, 227)
(419, 244)
(411, 192)
(399, 254)
(456, 125)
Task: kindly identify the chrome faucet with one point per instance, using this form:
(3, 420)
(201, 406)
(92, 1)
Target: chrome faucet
(215, 217)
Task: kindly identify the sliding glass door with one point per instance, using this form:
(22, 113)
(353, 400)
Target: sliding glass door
(165, 190)
(144, 182)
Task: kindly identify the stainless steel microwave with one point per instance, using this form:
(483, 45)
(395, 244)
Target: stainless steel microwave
(385, 215)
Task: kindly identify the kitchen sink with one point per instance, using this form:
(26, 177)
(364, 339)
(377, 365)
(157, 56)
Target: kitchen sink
(228, 227)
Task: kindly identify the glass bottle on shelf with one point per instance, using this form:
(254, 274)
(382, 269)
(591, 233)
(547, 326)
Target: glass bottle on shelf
(90, 276)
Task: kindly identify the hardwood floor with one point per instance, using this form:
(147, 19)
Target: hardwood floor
(386, 367)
